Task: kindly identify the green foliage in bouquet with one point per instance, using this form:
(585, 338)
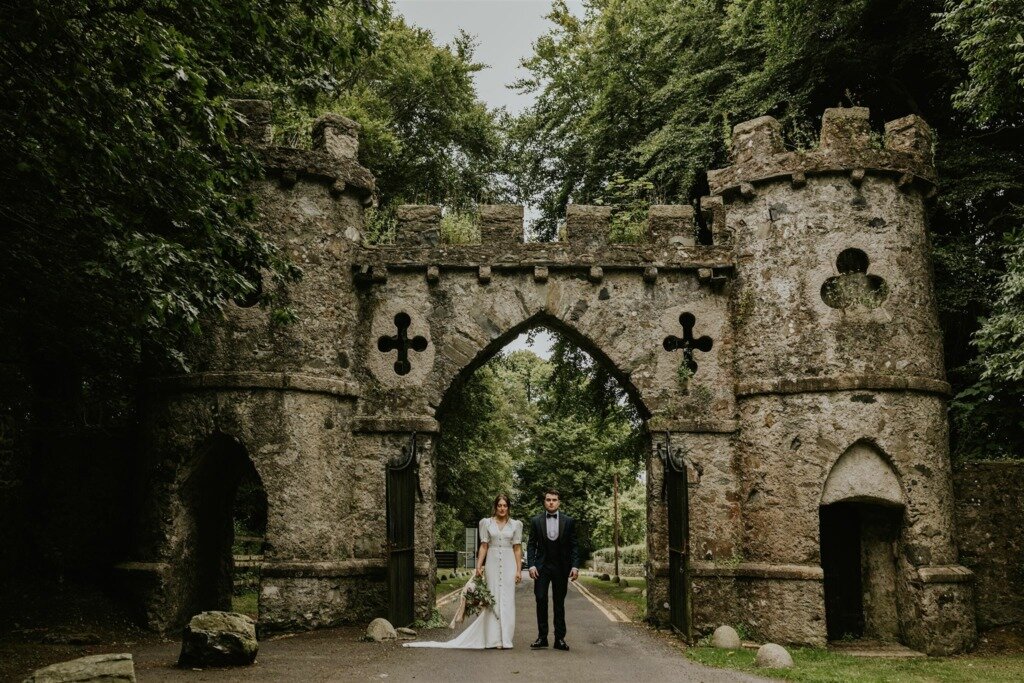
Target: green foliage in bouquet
(478, 596)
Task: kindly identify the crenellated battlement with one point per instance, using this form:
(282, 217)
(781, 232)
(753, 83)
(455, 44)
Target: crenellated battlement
(587, 227)
(845, 146)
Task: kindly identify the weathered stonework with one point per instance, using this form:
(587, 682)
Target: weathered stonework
(989, 507)
(807, 329)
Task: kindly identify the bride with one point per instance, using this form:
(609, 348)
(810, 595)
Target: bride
(501, 556)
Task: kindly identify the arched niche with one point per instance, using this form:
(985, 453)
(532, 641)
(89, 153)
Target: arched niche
(218, 478)
(862, 475)
(860, 522)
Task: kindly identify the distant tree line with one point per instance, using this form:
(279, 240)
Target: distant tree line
(522, 425)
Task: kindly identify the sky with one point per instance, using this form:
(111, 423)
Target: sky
(505, 31)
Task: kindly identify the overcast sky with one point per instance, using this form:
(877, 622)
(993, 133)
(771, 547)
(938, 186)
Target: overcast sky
(504, 31)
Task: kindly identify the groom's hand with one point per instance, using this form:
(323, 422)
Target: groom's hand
(533, 573)
(574, 574)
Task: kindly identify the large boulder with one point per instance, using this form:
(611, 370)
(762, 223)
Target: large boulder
(772, 656)
(218, 639)
(380, 629)
(110, 668)
(726, 638)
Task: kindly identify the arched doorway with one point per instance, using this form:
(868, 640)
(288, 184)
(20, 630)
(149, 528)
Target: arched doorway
(652, 491)
(528, 420)
(861, 516)
(226, 517)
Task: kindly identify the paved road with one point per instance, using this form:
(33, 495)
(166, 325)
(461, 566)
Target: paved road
(601, 650)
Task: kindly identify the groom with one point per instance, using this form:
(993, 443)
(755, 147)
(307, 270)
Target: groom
(554, 559)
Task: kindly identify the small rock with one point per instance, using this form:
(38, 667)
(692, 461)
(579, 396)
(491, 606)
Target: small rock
(772, 656)
(623, 583)
(110, 668)
(218, 639)
(643, 593)
(726, 638)
(616, 579)
(632, 590)
(380, 629)
(605, 577)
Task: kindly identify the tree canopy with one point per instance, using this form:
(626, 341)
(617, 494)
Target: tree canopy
(522, 425)
(636, 100)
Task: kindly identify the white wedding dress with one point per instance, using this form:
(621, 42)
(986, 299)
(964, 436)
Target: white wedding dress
(492, 627)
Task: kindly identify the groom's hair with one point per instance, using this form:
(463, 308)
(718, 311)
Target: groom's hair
(553, 492)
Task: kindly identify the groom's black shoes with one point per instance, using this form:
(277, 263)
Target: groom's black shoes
(540, 643)
(561, 644)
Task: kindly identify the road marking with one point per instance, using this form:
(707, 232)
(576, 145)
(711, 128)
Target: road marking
(448, 597)
(614, 614)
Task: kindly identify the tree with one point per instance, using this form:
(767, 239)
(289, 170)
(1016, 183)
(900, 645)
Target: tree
(989, 37)
(587, 430)
(648, 91)
(426, 136)
(521, 424)
(487, 421)
(124, 217)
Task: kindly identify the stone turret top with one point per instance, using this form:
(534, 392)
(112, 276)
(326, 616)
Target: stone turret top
(331, 161)
(845, 146)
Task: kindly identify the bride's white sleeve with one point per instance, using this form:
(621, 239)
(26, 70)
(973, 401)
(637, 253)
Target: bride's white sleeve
(484, 536)
(517, 533)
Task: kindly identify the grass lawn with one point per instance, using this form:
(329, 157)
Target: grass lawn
(247, 603)
(633, 604)
(454, 578)
(827, 667)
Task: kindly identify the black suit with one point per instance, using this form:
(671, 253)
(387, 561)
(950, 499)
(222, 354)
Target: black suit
(553, 559)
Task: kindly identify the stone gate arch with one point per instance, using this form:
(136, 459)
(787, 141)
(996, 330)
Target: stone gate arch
(430, 314)
(756, 357)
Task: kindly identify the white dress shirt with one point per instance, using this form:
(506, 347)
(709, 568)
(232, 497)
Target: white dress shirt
(552, 526)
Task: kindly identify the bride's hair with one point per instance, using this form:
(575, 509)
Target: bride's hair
(497, 499)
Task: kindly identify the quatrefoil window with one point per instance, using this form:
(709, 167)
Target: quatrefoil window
(402, 343)
(854, 286)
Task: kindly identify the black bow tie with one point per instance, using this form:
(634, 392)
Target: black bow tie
(552, 515)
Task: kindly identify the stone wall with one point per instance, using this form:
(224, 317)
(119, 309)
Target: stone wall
(989, 509)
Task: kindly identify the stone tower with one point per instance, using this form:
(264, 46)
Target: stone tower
(838, 352)
(278, 396)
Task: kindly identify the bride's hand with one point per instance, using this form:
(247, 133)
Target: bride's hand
(519, 577)
(479, 572)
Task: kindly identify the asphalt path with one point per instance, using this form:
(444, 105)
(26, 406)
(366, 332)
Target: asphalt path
(600, 650)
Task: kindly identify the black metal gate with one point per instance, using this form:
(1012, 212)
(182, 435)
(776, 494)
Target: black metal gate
(402, 489)
(678, 502)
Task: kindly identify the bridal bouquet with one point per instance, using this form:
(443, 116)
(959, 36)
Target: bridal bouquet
(476, 597)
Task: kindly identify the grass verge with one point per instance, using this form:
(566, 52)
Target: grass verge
(247, 603)
(824, 666)
(633, 603)
(453, 578)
